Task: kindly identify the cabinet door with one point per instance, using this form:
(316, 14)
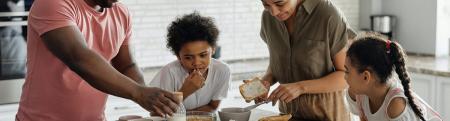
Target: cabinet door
(424, 86)
(443, 97)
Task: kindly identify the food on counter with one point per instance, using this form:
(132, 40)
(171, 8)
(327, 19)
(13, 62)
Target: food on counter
(178, 117)
(284, 117)
(199, 118)
(252, 89)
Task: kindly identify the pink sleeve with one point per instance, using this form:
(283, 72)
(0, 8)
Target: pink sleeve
(46, 15)
(128, 28)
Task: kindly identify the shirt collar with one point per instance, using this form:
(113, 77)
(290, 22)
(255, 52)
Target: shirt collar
(310, 5)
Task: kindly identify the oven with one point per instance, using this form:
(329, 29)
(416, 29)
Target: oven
(13, 32)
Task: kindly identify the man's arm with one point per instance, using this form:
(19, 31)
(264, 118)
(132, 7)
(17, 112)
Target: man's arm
(69, 46)
(125, 64)
(67, 43)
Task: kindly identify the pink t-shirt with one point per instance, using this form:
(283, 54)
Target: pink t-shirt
(52, 92)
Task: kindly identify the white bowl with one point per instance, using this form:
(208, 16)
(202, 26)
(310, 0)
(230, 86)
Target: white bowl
(237, 114)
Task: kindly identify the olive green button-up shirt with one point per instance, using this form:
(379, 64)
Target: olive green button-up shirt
(320, 32)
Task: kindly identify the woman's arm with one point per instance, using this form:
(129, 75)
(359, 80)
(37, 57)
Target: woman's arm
(332, 82)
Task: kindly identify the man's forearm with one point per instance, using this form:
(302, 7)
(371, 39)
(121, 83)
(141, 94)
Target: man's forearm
(133, 72)
(101, 75)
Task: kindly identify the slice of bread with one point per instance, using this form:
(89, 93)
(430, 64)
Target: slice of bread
(252, 89)
(285, 117)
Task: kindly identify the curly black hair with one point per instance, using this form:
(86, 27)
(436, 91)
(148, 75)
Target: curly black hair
(189, 28)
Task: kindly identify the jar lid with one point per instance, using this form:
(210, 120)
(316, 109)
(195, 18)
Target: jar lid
(179, 96)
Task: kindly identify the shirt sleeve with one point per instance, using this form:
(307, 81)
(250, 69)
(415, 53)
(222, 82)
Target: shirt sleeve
(47, 15)
(262, 32)
(164, 80)
(128, 29)
(352, 105)
(224, 77)
(339, 33)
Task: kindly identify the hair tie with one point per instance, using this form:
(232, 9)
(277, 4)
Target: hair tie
(388, 46)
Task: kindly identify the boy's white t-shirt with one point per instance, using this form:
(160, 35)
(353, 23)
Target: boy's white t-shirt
(362, 107)
(172, 76)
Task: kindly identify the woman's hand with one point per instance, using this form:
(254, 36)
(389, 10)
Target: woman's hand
(286, 92)
(192, 83)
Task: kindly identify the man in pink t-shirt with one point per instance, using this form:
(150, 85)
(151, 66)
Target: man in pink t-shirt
(78, 52)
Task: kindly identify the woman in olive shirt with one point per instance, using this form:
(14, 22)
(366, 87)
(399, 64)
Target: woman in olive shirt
(306, 41)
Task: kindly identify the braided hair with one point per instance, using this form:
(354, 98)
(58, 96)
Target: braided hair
(385, 57)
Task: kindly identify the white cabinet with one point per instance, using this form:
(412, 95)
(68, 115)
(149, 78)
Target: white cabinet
(424, 86)
(443, 97)
(434, 90)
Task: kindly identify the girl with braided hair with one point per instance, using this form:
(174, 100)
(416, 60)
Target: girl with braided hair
(372, 94)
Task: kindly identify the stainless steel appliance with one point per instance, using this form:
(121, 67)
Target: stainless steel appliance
(384, 24)
(13, 15)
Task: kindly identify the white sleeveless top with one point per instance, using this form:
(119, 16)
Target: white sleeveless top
(361, 107)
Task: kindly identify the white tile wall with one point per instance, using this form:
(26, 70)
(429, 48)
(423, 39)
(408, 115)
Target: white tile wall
(238, 22)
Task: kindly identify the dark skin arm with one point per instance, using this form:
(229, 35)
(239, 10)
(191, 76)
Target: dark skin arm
(68, 45)
(124, 63)
(210, 107)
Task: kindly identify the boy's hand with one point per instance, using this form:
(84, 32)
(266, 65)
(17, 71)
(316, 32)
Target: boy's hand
(192, 83)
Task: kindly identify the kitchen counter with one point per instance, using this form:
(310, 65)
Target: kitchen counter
(254, 116)
(436, 66)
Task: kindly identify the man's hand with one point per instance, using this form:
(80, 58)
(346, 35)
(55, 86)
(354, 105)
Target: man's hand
(192, 83)
(156, 100)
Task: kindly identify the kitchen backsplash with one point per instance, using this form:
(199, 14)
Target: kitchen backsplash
(238, 22)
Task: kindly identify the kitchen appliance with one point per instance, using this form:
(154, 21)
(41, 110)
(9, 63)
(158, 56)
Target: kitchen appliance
(13, 21)
(384, 24)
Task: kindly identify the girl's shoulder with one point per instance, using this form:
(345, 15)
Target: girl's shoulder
(396, 107)
(396, 101)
